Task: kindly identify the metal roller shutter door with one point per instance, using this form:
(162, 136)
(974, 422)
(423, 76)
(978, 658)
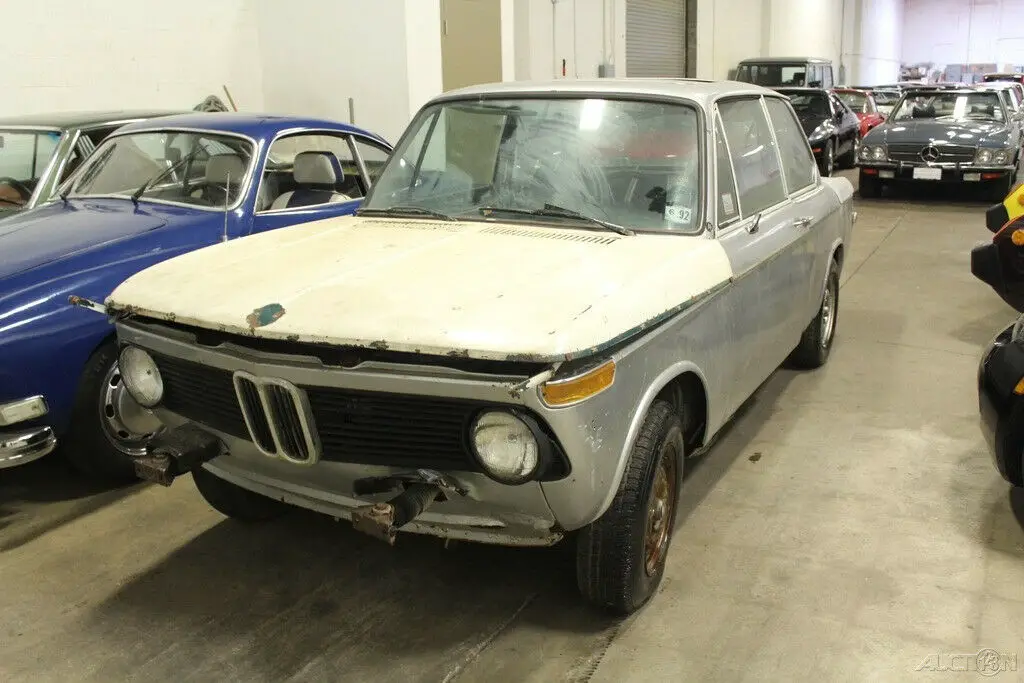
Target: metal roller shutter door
(656, 38)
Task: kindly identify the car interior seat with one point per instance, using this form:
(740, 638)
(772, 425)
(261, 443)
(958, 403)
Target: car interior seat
(224, 173)
(317, 176)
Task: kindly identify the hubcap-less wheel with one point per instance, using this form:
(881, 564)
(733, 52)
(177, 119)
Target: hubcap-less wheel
(126, 424)
(828, 314)
(660, 510)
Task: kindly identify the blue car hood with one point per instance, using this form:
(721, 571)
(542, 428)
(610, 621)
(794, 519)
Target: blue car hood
(55, 231)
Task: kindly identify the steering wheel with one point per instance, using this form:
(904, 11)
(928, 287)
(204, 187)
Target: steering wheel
(25, 193)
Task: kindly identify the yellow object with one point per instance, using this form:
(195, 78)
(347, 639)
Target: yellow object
(1017, 237)
(1014, 203)
(562, 392)
(1019, 389)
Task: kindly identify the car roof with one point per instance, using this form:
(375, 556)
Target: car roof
(254, 125)
(785, 60)
(703, 92)
(67, 120)
(799, 88)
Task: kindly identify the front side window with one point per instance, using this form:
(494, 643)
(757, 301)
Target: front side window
(24, 155)
(632, 163)
(758, 176)
(797, 160)
(949, 106)
(199, 169)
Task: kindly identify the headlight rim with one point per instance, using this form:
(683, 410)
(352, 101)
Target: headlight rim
(126, 376)
(542, 440)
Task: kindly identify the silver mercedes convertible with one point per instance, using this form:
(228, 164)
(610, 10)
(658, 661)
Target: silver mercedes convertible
(553, 295)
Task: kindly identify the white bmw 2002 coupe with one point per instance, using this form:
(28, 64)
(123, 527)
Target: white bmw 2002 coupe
(553, 294)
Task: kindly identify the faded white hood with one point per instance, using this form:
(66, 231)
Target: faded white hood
(485, 290)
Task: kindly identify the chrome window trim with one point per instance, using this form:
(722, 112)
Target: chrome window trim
(815, 173)
(718, 126)
(243, 190)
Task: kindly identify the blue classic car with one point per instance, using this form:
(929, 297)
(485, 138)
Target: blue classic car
(151, 191)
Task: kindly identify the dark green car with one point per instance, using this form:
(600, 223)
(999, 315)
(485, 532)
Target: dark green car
(38, 151)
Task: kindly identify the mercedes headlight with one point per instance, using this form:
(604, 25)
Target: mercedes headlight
(1001, 156)
(983, 156)
(873, 153)
(141, 376)
(505, 446)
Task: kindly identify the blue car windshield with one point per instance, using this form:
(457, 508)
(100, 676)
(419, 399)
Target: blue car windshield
(633, 163)
(204, 169)
(24, 156)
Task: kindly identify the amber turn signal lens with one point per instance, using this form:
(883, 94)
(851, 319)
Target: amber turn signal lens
(1017, 237)
(1019, 389)
(561, 392)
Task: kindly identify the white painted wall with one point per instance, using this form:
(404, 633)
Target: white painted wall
(584, 33)
(964, 32)
(117, 54)
(865, 36)
(314, 59)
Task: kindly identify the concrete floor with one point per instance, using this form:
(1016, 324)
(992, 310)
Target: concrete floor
(847, 527)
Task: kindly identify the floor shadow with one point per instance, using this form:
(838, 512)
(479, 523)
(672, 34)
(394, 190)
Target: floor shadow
(45, 494)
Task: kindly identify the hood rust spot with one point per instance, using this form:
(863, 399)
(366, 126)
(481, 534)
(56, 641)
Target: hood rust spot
(264, 315)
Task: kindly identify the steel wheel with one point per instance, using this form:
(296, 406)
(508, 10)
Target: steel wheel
(828, 314)
(126, 424)
(660, 509)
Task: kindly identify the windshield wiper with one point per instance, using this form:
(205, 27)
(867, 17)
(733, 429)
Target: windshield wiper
(405, 211)
(558, 212)
(162, 174)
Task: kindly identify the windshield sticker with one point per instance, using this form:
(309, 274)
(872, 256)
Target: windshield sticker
(679, 214)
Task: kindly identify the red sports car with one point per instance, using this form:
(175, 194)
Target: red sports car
(862, 102)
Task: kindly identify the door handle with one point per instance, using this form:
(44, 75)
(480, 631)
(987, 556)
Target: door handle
(802, 222)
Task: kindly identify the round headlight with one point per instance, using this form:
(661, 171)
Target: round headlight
(505, 446)
(141, 376)
(984, 156)
(878, 153)
(865, 152)
(1000, 157)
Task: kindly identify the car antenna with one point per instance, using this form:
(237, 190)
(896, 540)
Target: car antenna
(227, 190)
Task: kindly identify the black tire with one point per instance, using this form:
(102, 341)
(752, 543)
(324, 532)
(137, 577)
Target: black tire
(870, 187)
(816, 343)
(86, 447)
(828, 159)
(849, 159)
(613, 570)
(234, 501)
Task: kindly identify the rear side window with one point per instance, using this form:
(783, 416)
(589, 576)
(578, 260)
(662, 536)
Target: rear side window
(754, 156)
(797, 161)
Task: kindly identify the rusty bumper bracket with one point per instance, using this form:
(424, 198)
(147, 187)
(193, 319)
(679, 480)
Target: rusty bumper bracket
(175, 452)
(383, 520)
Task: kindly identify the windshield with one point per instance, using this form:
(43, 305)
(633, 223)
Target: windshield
(946, 106)
(885, 98)
(808, 104)
(773, 75)
(198, 169)
(857, 101)
(631, 163)
(24, 155)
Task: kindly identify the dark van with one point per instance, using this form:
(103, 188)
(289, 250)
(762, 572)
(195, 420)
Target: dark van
(781, 72)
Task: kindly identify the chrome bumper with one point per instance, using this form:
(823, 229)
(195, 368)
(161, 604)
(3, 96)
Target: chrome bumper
(20, 447)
